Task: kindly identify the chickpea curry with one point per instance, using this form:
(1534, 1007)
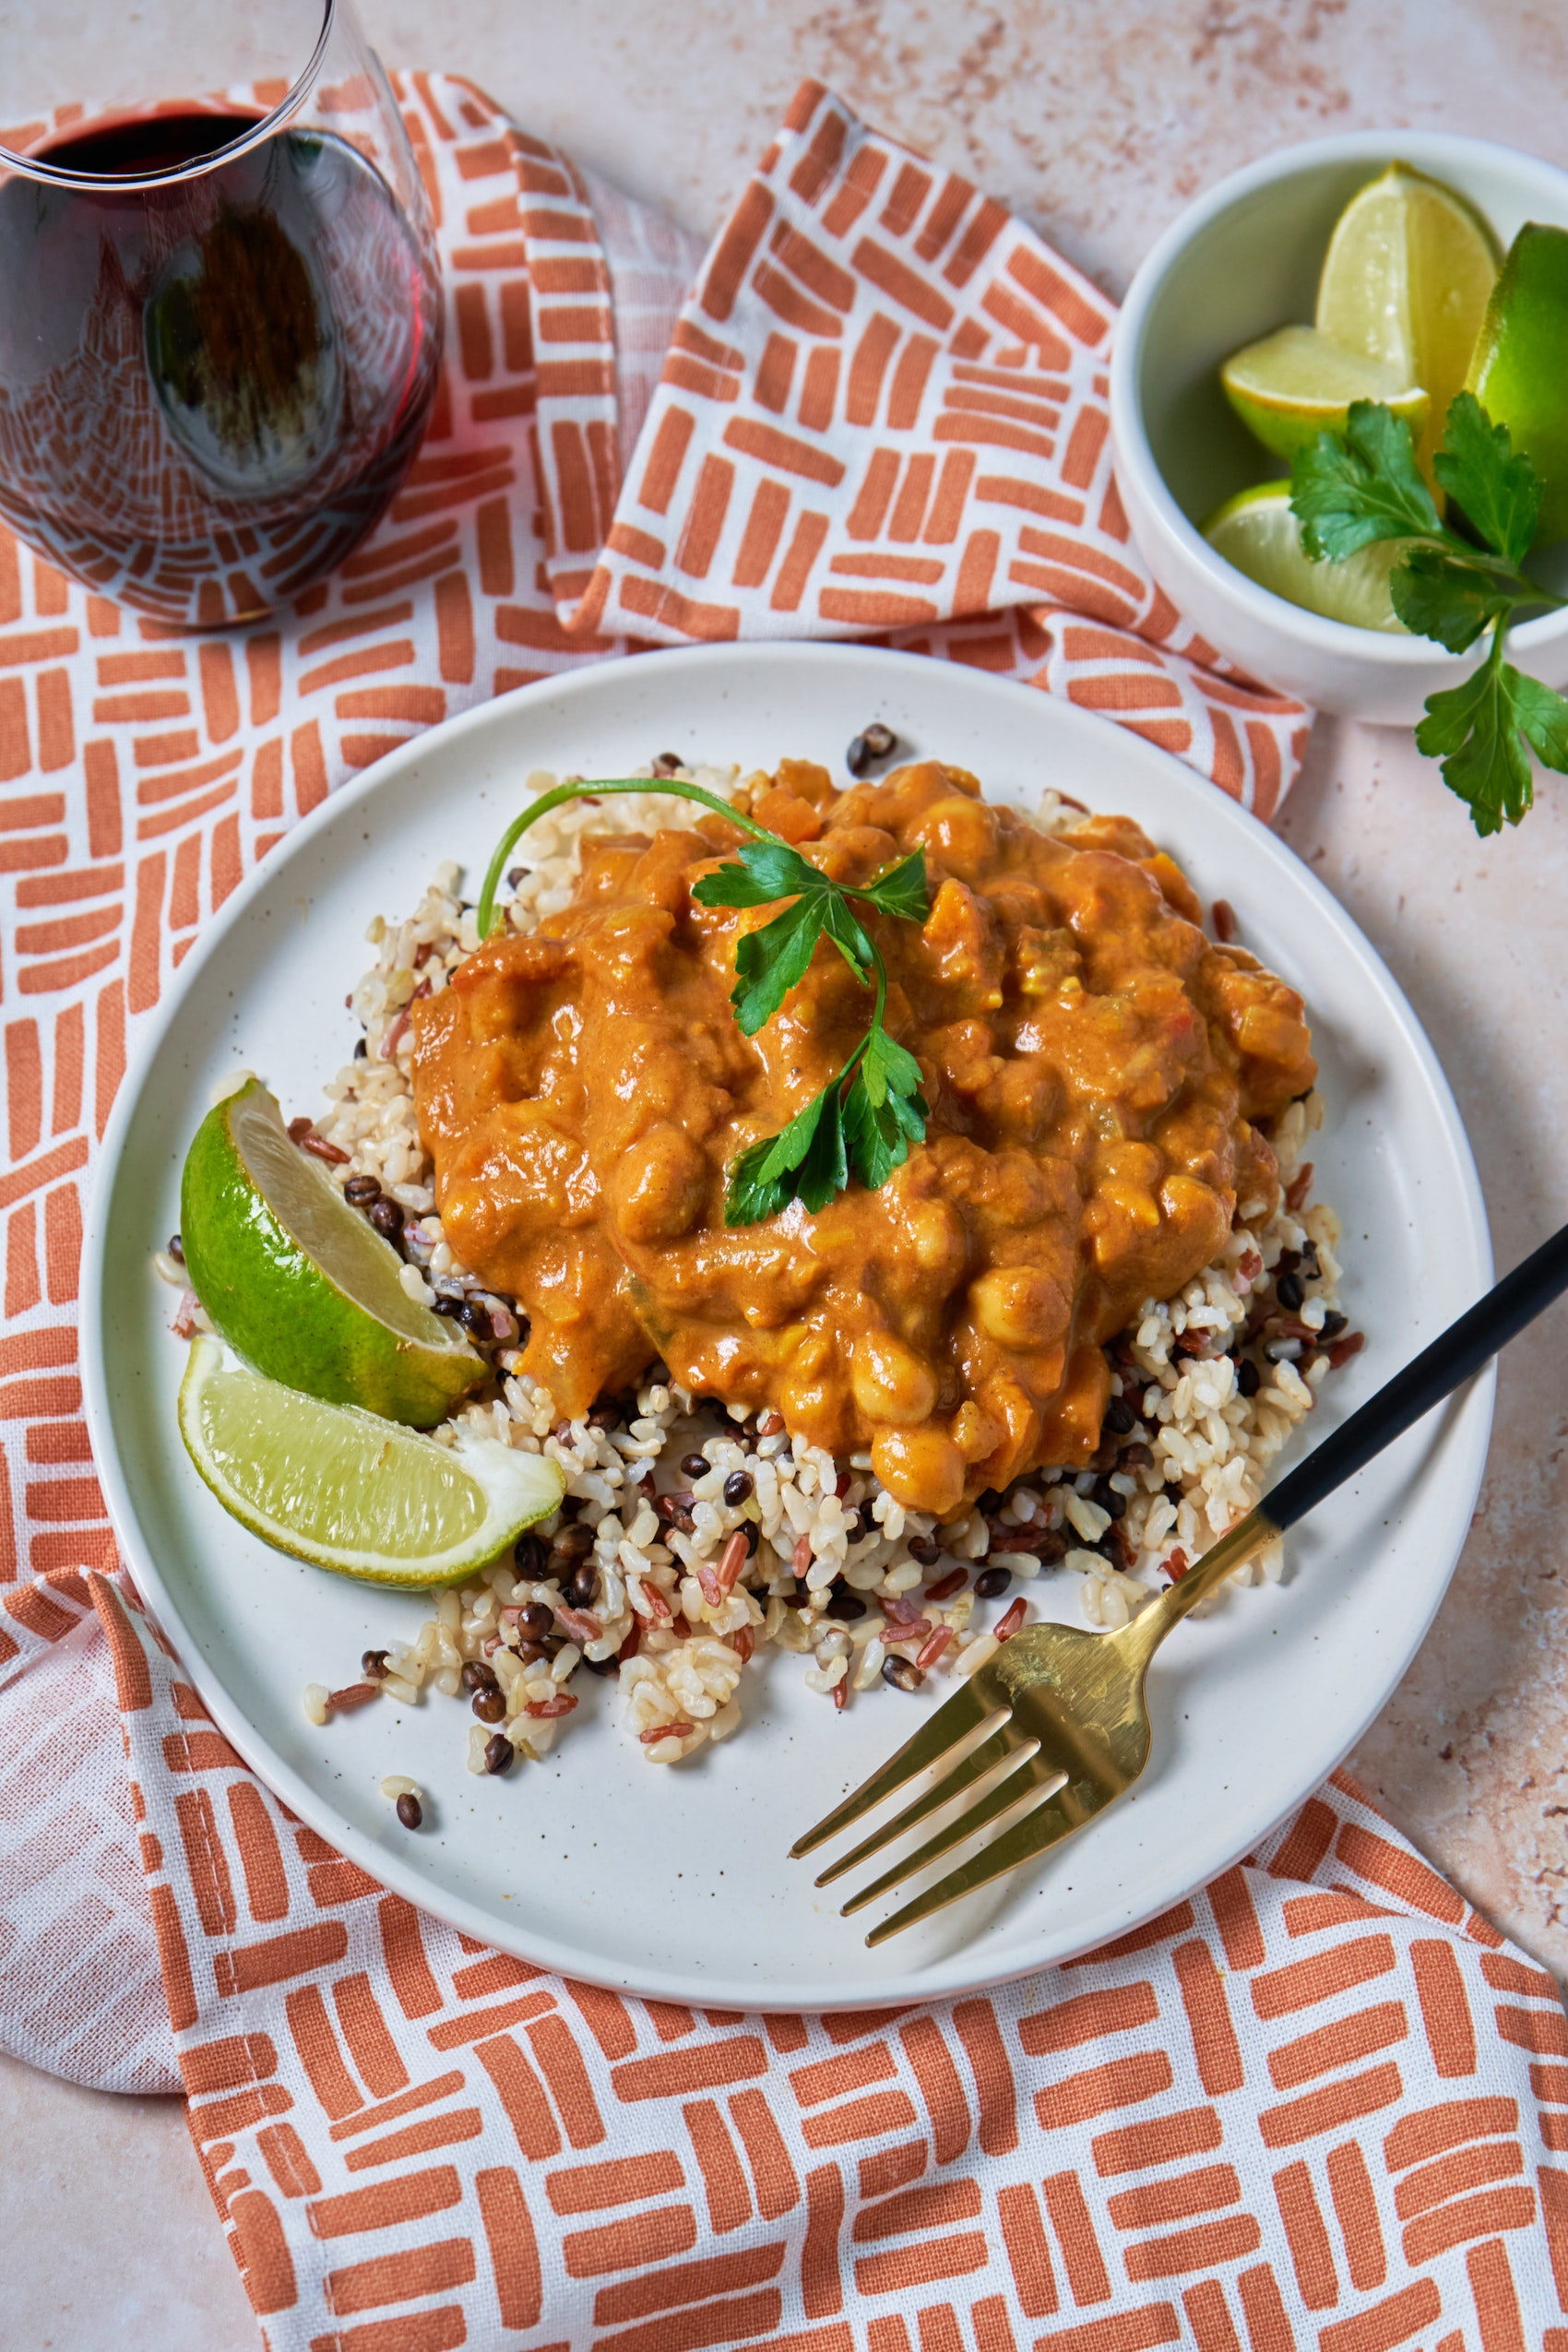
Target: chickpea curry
(1097, 1073)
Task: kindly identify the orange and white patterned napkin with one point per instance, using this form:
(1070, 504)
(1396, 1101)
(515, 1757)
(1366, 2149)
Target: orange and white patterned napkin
(1316, 2104)
(1319, 2104)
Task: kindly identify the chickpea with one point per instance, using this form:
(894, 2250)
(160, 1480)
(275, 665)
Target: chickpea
(890, 1382)
(921, 1468)
(1020, 1306)
(937, 1237)
(660, 1185)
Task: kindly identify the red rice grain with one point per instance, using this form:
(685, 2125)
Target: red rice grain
(1009, 1621)
(932, 1650)
(651, 1736)
(354, 1695)
(544, 1708)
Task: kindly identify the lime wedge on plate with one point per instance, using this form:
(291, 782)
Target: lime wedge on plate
(298, 1283)
(350, 1492)
(1519, 369)
(1256, 531)
(1406, 280)
(1298, 383)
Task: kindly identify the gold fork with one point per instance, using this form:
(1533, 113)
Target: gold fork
(1054, 1725)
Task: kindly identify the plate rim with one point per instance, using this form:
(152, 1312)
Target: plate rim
(950, 1978)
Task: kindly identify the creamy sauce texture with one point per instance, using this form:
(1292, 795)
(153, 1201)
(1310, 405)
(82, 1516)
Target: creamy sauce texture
(1094, 1069)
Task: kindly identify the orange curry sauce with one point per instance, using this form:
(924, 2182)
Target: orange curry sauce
(1093, 1066)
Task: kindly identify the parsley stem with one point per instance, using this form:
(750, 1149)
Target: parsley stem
(669, 786)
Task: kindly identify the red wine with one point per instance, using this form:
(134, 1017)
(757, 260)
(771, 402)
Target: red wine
(209, 390)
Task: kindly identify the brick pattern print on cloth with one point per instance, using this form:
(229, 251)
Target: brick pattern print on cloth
(1319, 2104)
(884, 408)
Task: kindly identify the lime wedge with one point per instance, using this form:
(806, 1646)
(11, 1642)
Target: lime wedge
(350, 1492)
(1519, 369)
(1406, 280)
(1298, 383)
(298, 1283)
(1256, 531)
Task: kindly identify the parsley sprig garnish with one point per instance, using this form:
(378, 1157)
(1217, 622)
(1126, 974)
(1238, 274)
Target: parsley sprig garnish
(1353, 489)
(868, 1114)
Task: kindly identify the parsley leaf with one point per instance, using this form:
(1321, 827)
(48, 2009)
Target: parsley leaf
(902, 890)
(762, 1179)
(1351, 489)
(1498, 488)
(1479, 730)
(1436, 597)
(771, 961)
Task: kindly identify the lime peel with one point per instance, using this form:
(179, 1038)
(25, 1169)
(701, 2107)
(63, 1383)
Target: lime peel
(351, 1491)
(298, 1283)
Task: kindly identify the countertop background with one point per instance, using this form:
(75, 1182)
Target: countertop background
(1097, 123)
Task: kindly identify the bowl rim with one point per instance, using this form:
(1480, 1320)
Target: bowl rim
(1134, 457)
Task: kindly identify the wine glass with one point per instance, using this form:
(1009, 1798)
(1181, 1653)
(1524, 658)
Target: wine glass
(220, 317)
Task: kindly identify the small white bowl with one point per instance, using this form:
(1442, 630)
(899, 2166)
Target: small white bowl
(1241, 260)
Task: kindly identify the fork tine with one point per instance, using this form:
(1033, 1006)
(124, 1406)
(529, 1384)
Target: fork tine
(1031, 1773)
(963, 1713)
(1036, 1834)
(1004, 1742)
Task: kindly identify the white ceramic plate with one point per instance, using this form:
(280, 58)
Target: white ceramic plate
(674, 1882)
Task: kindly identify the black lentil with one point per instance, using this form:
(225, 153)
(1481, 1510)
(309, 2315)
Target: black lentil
(573, 1540)
(360, 1049)
(926, 1549)
(409, 1810)
(477, 1676)
(992, 1582)
(873, 743)
(1334, 1323)
(903, 1673)
(753, 1537)
(535, 1622)
(514, 875)
(846, 1607)
(176, 1248)
(1249, 1380)
(1290, 1292)
(475, 1315)
(1119, 1416)
(489, 1705)
(694, 1466)
(499, 1753)
(372, 1666)
(529, 1556)
(388, 1219)
(738, 1487)
(579, 1592)
(1105, 1494)
(360, 1190)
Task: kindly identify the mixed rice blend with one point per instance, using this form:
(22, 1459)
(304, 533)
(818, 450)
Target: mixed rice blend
(693, 1537)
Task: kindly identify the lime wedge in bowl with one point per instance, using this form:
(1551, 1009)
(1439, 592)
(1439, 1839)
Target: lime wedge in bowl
(1406, 280)
(1256, 531)
(1519, 369)
(299, 1284)
(350, 1490)
(1298, 383)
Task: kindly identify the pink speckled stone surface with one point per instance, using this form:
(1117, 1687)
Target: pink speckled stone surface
(1098, 122)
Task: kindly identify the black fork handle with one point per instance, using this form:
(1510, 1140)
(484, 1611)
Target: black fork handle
(1449, 1361)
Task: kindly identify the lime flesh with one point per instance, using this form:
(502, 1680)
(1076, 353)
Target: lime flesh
(1257, 532)
(1298, 383)
(1406, 280)
(298, 1283)
(1519, 369)
(350, 1490)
